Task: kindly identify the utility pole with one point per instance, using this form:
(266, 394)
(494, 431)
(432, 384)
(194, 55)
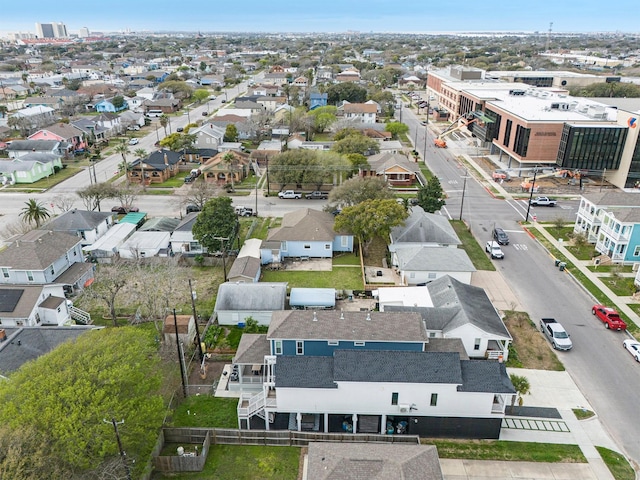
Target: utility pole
(123, 455)
(464, 188)
(195, 317)
(224, 254)
(180, 359)
(533, 184)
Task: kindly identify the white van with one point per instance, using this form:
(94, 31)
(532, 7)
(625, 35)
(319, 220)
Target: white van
(154, 113)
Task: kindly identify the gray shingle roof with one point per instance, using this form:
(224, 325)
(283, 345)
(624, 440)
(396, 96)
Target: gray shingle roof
(27, 297)
(186, 225)
(442, 259)
(251, 296)
(246, 267)
(34, 145)
(423, 227)
(304, 372)
(252, 349)
(613, 199)
(37, 249)
(485, 376)
(76, 220)
(396, 366)
(382, 326)
(304, 224)
(368, 461)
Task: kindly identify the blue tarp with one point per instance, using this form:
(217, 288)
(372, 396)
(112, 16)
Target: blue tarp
(312, 297)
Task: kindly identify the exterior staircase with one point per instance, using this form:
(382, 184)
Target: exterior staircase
(80, 316)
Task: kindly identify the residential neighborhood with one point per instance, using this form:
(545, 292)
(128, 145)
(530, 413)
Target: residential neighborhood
(223, 241)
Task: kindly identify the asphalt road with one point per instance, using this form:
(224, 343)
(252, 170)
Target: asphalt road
(606, 374)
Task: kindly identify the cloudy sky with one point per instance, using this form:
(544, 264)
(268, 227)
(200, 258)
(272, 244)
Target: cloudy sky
(419, 16)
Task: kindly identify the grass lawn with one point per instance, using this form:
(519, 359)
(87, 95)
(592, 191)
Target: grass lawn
(509, 451)
(346, 278)
(582, 413)
(585, 252)
(611, 268)
(475, 251)
(346, 259)
(621, 286)
(206, 411)
(529, 348)
(617, 464)
(49, 182)
(232, 462)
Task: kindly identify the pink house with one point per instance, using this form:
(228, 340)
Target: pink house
(62, 132)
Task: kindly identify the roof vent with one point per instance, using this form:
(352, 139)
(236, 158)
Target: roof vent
(315, 317)
(368, 316)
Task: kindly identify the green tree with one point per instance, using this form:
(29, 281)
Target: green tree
(323, 117)
(164, 121)
(62, 397)
(230, 133)
(178, 141)
(34, 212)
(356, 143)
(216, 221)
(370, 219)
(93, 195)
(118, 101)
(357, 190)
(230, 160)
(348, 91)
(200, 95)
(396, 129)
(296, 167)
(179, 88)
(122, 148)
(521, 385)
(602, 89)
(431, 196)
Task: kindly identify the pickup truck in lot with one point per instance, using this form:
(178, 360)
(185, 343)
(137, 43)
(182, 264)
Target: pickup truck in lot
(290, 194)
(317, 195)
(609, 317)
(543, 202)
(556, 334)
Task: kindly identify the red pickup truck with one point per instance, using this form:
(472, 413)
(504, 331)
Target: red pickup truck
(609, 317)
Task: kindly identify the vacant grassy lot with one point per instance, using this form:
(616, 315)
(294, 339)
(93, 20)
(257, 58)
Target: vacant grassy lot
(529, 348)
(475, 251)
(341, 278)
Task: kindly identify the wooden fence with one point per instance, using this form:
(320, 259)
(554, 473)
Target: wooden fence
(190, 461)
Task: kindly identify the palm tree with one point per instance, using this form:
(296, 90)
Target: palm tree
(231, 161)
(123, 149)
(34, 212)
(141, 153)
(164, 120)
(521, 386)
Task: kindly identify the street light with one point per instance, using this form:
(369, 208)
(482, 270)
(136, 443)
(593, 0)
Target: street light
(464, 188)
(533, 184)
(123, 455)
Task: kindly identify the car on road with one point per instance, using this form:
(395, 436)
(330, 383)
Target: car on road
(493, 249)
(120, 210)
(133, 127)
(192, 208)
(317, 195)
(204, 114)
(245, 212)
(500, 236)
(543, 202)
(179, 129)
(290, 194)
(134, 141)
(609, 317)
(633, 347)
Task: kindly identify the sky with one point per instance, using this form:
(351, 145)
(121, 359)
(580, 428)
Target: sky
(410, 16)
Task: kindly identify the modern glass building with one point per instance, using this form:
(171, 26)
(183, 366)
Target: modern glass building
(591, 147)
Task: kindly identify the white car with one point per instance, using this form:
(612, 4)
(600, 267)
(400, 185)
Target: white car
(633, 347)
(133, 141)
(493, 249)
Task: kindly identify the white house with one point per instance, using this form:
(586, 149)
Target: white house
(421, 265)
(145, 245)
(35, 305)
(238, 301)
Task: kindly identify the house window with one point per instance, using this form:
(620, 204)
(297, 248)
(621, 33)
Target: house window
(358, 344)
(30, 276)
(636, 253)
(434, 400)
(412, 275)
(277, 347)
(283, 246)
(327, 246)
(432, 275)
(394, 398)
(5, 271)
(299, 347)
(432, 334)
(476, 344)
(307, 246)
(333, 342)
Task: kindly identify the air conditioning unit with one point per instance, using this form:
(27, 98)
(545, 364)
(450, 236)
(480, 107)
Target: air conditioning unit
(404, 408)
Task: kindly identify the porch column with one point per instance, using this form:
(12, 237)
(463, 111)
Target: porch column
(355, 422)
(299, 421)
(326, 423)
(383, 424)
(505, 351)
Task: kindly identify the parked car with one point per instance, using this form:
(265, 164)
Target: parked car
(500, 236)
(543, 202)
(290, 194)
(192, 208)
(245, 212)
(633, 347)
(120, 210)
(317, 195)
(204, 114)
(134, 141)
(493, 249)
(133, 127)
(189, 179)
(179, 129)
(556, 334)
(609, 317)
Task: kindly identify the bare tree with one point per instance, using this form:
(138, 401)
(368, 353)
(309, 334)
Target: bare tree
(199, 193)
(93, 195)
(127, 194)
(64, 202)
(110, 280)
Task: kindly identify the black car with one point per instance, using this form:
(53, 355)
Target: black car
(179, 129)
(119, 209)
(189, 179)
(192, 208)
(500, 236)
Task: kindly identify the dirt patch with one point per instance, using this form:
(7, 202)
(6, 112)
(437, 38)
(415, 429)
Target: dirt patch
(376, 252)
(212, 372)
(529, 349)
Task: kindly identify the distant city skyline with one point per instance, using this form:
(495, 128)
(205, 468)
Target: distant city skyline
(377, 16)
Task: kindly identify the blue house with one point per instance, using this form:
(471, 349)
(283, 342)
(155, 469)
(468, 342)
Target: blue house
(304, 233)
(106, 106)
(317, 100)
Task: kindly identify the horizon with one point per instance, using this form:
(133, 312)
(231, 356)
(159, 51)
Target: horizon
(356, 16)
